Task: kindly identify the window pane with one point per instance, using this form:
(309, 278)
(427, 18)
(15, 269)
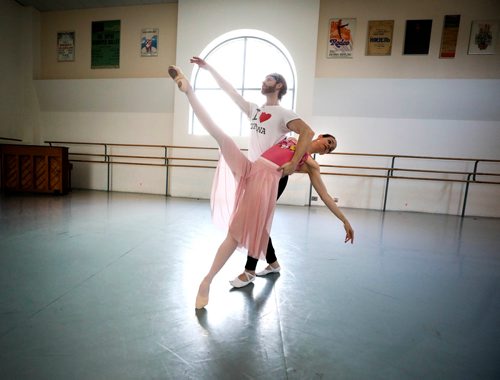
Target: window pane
(255, 96)
(203, 79)
(231, 51)
(287, 100)
(264, 58)
(244, 62)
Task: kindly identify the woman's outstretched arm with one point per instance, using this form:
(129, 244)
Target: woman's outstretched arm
(313, 170)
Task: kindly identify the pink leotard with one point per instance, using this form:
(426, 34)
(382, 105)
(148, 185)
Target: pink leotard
(283, 151)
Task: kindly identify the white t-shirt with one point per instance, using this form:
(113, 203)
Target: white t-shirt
(268, 125)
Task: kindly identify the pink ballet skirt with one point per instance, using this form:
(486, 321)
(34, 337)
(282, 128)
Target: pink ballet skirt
(244, 203)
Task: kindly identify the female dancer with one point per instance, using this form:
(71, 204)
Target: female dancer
(257, 186)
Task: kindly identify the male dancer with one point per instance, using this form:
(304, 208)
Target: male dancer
(255, 201)
(268, 125)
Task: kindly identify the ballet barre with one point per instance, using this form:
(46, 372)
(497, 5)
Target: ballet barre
(468, 177)
(170, 157)
(10, 139)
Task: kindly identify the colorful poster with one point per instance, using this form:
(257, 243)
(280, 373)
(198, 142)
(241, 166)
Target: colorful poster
(379, 37)
(105, 44)
(149, 42)
(483, 37)
(341, 35)
(450, 36)
(417, 36)
(65, 46)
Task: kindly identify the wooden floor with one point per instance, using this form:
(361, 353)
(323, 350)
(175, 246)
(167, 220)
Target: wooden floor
(102, 286)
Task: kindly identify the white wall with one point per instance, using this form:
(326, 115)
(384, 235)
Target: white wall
(458, 118)
(394, 105)
(120, 111)
(422, 137)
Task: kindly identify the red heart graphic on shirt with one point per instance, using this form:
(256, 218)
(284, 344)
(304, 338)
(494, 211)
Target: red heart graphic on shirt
(264, 116)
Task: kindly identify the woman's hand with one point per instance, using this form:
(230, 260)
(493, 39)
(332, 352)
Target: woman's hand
(349, 233)
(198, 61)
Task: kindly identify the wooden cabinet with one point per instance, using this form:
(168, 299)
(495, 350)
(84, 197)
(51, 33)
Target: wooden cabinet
(33, 168)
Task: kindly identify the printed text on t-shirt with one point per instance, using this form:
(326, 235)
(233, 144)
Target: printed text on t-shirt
(263, 116)
(258, 129)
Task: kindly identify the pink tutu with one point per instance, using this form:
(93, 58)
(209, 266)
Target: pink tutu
(245, 204)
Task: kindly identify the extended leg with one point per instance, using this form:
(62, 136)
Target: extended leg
(236, 160)
(224, 252)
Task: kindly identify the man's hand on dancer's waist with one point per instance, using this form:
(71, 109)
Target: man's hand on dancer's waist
(287, 169)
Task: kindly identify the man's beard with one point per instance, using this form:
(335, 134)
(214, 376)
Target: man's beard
(267, 90)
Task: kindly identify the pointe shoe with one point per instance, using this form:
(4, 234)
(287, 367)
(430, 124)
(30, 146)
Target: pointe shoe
(267, 270)
(237, 283)
(178, 76)
(201, 302)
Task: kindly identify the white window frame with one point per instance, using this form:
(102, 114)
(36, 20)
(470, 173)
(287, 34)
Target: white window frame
(244, 34)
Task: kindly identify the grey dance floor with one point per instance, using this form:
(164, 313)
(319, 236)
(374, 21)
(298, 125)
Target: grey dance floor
(102, 286)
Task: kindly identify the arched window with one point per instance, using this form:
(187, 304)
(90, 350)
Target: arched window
(244, 58)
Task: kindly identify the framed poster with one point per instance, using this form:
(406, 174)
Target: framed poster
(417, 36)
(483, 37)
(379, 37)
(341, 35)
(449, 36)
(105, 44)
(149, 42)
(65, 46)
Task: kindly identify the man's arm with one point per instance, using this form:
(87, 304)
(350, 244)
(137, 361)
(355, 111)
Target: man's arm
(305, 137)
(224, 85)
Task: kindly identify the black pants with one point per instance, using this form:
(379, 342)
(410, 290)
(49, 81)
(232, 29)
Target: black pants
(270, 255)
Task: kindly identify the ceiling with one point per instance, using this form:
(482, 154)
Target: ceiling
(64, 5)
